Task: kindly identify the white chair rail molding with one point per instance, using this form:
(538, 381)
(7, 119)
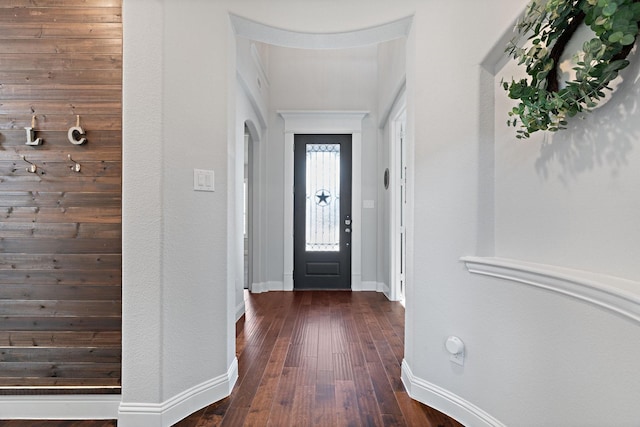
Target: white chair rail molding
(618, 295)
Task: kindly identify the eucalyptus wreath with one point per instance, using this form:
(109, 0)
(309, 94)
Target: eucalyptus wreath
(548, 26)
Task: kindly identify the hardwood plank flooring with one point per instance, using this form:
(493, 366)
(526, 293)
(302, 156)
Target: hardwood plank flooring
(312, 358)
(319, 358)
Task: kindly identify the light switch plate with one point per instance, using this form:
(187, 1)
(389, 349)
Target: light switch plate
(203, 180)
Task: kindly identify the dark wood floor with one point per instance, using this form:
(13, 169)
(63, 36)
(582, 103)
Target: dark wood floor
(312, 359)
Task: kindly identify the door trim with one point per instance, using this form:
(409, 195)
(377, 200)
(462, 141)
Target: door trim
(324, 122)
(398, 119)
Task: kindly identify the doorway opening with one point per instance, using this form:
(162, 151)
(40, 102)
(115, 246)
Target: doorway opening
(398, 187)
(314, 93)
(250, 207)
(246, 208)
(325, 123)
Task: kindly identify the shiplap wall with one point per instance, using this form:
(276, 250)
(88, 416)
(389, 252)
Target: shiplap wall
(60, 230)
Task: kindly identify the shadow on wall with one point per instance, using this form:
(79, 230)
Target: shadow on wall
(602, 138)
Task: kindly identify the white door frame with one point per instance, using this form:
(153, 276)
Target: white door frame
(397, 131)
(324, 122)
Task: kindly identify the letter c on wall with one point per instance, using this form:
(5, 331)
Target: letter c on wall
(73, 134)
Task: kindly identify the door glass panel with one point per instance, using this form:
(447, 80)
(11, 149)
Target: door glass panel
(322, 228)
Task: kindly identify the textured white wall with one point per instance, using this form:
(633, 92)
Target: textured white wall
(178, 322)
(392, 71)
(570, 199)
(196, 134)
(573, 196)
(251, 63)
(142, 194)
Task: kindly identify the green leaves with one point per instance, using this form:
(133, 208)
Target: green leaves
(615, 21)
(593, 45)
(616, 37)
(616, 25)
(610, 9)
(627, 39)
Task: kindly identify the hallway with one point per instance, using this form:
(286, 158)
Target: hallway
(319, 359)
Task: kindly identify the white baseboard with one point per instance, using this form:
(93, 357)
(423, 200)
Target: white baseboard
(239, 310)
(371, 286)
(258, 288)
(359, 286)
(279, 286)
(169, 412)
(365, 286)
(60, 407)
(389, 293)
(385, 289)
(444, 401)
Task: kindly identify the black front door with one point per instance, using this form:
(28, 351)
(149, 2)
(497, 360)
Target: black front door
(322, 212)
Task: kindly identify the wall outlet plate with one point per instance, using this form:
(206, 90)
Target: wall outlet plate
(203, 180)
(458, 359)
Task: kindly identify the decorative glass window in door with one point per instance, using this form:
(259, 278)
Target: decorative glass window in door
(322, 228)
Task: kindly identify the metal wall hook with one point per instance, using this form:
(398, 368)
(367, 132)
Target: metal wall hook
(76, 165)
(32, 168)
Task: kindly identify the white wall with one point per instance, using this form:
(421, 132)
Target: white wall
(392, 74)
(573, 195)
(178, 299)
(510, 330)
(570, 200)
(251, 63)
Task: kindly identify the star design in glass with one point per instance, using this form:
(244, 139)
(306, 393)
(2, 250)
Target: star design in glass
(323, 198)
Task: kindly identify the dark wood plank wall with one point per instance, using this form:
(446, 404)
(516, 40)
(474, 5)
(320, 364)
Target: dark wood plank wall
(60, 230)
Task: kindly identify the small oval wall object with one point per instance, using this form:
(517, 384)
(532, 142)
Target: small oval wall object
(454, 345)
